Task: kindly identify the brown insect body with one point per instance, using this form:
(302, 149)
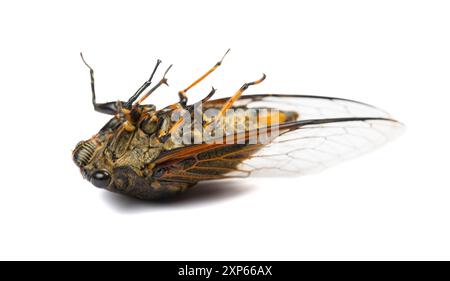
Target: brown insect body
(140, 152)
(129, 157)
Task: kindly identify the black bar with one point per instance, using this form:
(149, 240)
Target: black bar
(224, 270)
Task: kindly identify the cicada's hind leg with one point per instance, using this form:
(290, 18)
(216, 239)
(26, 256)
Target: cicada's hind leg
(233, 99)
(109, 108)
(225, 107)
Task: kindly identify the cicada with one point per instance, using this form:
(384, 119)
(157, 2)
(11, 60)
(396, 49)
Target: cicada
(150, 154)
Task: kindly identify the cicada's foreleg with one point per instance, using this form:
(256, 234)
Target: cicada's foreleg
(161, 82)
(106, 108)
(143, 87)
(182, 93)
(135, 113)
(233, 99)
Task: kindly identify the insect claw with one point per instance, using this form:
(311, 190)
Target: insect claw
(164, 79)
(260, 80)
(84, 61)
(220, 62)
(167, 70)
(205, 99)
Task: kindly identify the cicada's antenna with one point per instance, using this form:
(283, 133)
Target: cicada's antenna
(143, 87)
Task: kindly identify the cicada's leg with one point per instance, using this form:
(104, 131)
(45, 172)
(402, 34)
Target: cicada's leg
(182, 93)
(161, 82)
(182, 104)
(143, 87)
(234, 98)
(205, 99)
(135, 113)
(106, 108)
(163, 136)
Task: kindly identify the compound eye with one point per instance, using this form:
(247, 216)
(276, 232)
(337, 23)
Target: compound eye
(100, 178)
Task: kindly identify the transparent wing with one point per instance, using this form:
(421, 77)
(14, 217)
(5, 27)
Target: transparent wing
(314, 147)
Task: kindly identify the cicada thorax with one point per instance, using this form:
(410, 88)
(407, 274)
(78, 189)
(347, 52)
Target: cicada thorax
(125, 155)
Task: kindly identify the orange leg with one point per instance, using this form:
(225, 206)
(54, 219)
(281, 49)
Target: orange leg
(222, 111)
(182, 93)
(236, 96)
(183, 98)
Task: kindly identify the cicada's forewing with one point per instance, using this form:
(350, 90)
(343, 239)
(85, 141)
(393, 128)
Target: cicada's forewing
(327, 131)
(203, 162)
(316, 146)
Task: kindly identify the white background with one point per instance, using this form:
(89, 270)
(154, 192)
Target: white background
(391, 204)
